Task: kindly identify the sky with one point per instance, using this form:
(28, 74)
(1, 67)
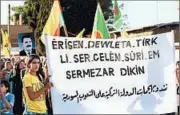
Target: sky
(139, 13)
(145, 13)
(4, 9)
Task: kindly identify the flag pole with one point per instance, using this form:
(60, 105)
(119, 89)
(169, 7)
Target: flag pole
(9, 19)
(65, 31)
(64, 26)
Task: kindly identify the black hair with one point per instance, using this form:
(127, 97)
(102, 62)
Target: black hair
(40, 71)
(6, 84)
(17, 77)
(26, 36)
(32, 57)
(17, 69)
(178, 62)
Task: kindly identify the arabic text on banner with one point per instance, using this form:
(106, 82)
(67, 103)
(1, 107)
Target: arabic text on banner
(135, 76)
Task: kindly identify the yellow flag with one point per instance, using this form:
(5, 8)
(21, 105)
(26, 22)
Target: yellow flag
(54, 22)
(124, 34)
(8, 41)
(80, 35)
(6, 44)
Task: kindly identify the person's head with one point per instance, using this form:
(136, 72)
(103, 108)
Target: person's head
(33, 63)
(13, 60)
(20, 65)
(8, 65)
(27, 42)
(4, 86)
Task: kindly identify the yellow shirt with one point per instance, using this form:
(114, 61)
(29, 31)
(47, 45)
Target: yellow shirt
(38, 105)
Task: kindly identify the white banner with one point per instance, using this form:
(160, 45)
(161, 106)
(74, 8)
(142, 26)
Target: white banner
(108, 76)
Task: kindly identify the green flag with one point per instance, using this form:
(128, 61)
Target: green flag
(117, 13)
(99, 28)
(118, 22)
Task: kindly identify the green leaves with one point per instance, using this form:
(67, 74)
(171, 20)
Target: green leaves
(78, 14)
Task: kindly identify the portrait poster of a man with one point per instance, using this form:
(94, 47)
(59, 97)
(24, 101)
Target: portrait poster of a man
(26, 44)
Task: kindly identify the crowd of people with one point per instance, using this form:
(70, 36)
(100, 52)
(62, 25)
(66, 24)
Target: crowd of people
(25, 86)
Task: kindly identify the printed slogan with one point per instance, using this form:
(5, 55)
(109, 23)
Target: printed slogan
(113, 75)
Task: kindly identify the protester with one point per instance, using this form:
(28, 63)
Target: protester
(17, 88)
(34, 88)
(7, 99)
(7, 70)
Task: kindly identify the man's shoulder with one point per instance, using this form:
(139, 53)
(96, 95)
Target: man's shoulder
(10, 95)
(27, 76)
(22, 52)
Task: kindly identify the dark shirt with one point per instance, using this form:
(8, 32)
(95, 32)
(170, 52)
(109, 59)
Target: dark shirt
(23, 53)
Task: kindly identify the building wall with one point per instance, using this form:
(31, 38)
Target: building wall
(156, 30)
(14, 30)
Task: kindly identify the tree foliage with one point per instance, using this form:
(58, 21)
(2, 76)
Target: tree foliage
(78, 14)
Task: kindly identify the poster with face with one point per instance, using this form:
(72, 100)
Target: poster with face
(26, 42)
